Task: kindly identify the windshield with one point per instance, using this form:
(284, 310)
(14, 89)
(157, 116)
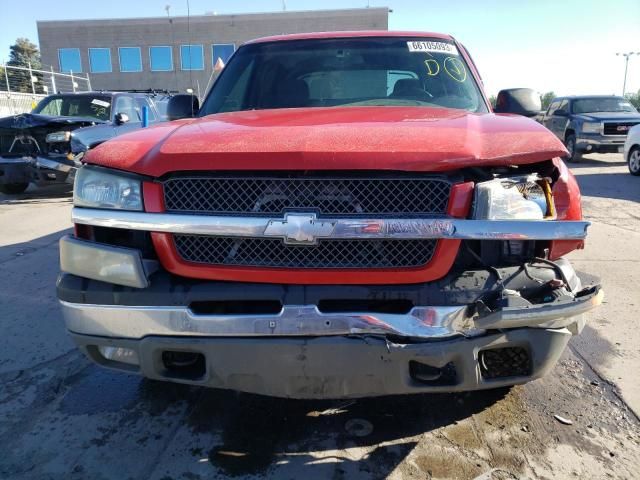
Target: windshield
(97, 107)
(605, 104)
(345, 72)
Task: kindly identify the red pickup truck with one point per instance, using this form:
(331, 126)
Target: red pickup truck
(344, 216)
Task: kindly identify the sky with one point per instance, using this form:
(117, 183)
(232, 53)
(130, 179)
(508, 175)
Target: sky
(565, 46)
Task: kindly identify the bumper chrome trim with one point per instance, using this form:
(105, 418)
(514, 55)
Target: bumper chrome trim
(544, 315)
(342, 228)
(292, 320)
(40, 162)
(423, 322)
(51, 164)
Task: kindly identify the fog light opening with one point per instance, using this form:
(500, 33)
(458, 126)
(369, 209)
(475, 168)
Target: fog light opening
(433, 376)
(504, 362)
(119, 354)
(185, 365)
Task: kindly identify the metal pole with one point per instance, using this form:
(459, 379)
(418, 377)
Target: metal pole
(6, 77)
(88, 83)
(33, 85)
(73, 82)
(626, 65)
(53, 81)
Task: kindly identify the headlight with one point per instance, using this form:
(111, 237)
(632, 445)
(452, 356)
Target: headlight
(99, 189)
(513, 198)
(57, 137)
(591, 127)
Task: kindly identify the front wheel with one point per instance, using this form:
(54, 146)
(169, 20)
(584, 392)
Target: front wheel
(13, 188)
(634, 161)
(570, 143)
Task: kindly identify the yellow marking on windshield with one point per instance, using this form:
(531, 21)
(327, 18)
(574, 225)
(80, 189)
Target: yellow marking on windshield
(433, 67)
(455, 69)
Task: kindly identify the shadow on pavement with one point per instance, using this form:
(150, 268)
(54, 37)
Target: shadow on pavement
(590, 162)
(259, 431)
(622, 186)
(37, 195)
(20, 249)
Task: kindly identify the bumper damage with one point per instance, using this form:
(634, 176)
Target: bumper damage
(38, 170)
(468, 331)
(336, 367)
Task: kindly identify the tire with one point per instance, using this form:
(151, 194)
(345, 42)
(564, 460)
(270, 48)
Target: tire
(13, 188)
(634, 161)
(570, 143)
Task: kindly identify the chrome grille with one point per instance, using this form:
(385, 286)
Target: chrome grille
(326, 196)
(270, 252)
(618, 128)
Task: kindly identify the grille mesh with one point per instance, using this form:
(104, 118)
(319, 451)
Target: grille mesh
(327, 196)
(611, 128)
(273, 252)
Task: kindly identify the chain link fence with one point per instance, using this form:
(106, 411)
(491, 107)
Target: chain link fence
(21, 88)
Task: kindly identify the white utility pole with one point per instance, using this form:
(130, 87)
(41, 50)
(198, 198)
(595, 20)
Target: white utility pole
(626, 65)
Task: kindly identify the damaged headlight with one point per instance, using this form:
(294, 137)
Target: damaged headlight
(99, 189)
(514, 198)
(58, 137)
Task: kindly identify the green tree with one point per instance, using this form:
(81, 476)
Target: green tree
(634, 98)
(3, 81)
(24, 54)
(546, 99)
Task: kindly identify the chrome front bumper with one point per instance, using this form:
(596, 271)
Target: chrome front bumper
(39, 162)
(422, 322)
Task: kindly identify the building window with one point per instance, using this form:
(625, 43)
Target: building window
(130, 59)
(69, 59)
(161, 59)
(192, 57)
(100, 60)
(222, 51)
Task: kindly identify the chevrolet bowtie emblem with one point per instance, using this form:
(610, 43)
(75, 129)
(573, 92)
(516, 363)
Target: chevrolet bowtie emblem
(299, 228)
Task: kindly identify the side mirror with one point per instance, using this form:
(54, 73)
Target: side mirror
(121, 118)
(182, 106)
(521, 101)
(560, 113)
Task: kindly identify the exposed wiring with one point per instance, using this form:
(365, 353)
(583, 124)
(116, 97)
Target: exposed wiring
(556, 268)
(490, 268)
(531, 277)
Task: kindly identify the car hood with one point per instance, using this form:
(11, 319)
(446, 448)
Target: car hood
(337, 138)
(34, 120)
(609, 116)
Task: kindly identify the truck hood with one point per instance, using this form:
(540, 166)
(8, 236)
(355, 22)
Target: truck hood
(609, 116)
(337, 138)
(34, 120)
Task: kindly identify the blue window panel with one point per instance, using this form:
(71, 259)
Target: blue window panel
(192, 57)
(69, 59)
(223, 51)
(100, 60)
(130, 59)
(161, 59)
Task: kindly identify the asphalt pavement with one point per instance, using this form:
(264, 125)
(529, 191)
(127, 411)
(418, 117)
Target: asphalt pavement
(63, 418)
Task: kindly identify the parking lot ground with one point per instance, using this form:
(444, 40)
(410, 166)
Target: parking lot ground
(62, 417)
